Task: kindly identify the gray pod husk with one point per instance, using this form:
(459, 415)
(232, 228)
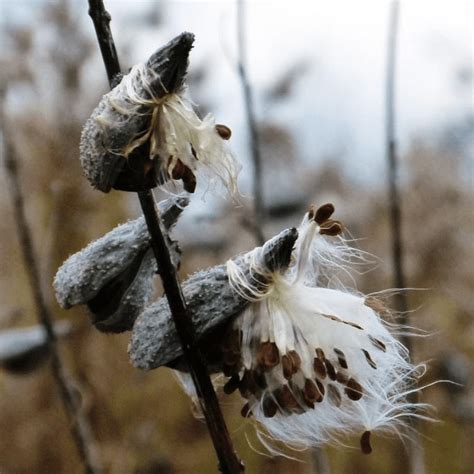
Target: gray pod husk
(117, 121)
(113, 275)
(23, 350)
(211, 302)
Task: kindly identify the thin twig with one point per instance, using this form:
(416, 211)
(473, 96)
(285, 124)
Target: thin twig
(228, 460)
(79, 426)
(259, 209)
(415, 450)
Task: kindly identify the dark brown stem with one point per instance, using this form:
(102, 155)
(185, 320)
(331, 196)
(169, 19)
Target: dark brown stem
(228, 460)
(80, 429)
(259, 209)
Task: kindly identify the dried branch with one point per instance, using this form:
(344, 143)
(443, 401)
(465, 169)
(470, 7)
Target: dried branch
(79, 426)
(415, 451)
(228, 460)
(259, 210)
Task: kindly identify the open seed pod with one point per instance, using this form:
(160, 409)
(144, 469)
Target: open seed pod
(113, 275)
(211, 302)
(123, 118)
(145, 132)
(24, 350)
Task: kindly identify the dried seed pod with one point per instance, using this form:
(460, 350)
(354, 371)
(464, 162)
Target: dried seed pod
(26, 349)
(114, 274)
(211, 302)
(115, 146)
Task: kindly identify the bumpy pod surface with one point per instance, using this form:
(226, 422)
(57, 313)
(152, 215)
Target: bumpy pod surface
(113, 275)
(211, 302)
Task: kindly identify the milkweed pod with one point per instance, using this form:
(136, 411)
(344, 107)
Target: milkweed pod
(113, 275)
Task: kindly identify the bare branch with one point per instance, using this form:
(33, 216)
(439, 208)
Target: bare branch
(415, 450)
(259, 210)
(79, 426)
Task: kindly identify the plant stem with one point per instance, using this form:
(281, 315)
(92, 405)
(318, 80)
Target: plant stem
(80, 429)
(415, 459)
(259, 209)
(228, 460)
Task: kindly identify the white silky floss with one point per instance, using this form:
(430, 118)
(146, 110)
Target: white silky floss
(317, 363)
(176, 134)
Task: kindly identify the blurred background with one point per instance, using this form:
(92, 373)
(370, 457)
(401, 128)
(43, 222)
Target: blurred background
(317, 71)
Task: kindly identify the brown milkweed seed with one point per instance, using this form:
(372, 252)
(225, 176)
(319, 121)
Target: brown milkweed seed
(378, 343)
(311, 392)
(246, 412)
(369, 360)
(330, 370)
(269, 406)
(319, 367)
(324, 213)
(334, 395)
(268, 355)
(365, 446)
(331, 228)
(224, 131)
(232, 385)
(354, 389)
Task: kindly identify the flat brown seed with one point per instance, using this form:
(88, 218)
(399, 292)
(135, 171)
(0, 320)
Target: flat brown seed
(319, 368)
(378, 343)
(311, 392)
(288, 399)
(365, 446)
(354, 389)
(320, 353)
(324, 213)
(232, 385)
(231, 358)
(287, 365)
(269, 406)
(245, 411)
(330, 370)
(321, 389)
(189, 180)
(296, 359)
(334, 395)
(311, 211)
(224, 131)
(342, 378)
(377, 305)
(341, 358)
(268, 355)
(369, 360)
(232, 342)
(331, 228)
